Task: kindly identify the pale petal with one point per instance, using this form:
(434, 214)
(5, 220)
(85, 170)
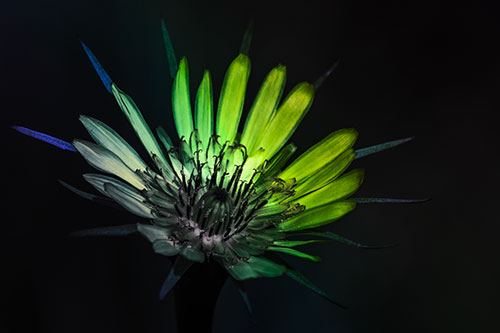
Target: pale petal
(104, 160)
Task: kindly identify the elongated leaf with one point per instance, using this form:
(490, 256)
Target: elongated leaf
(181, 266)
(45, 138)
(378, 148)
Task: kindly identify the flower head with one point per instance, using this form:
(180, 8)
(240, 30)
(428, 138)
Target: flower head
(220, 195)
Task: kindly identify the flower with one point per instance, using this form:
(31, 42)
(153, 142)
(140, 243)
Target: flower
(220, 195)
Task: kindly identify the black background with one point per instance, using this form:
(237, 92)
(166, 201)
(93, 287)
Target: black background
(427, 69)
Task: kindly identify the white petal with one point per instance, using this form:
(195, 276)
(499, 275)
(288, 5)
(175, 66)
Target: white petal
(128, 202)
(106, 161)
(98, 182)
(109, 139)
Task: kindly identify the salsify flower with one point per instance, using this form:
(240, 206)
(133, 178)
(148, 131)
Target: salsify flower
(220, 195)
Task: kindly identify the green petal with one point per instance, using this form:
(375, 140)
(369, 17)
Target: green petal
(286, 119)
(317, 217)
(276, 163)
(326, 174)
(109, 139)
(104, 160)
(294, 253)
(232, 98)
(137, 121)
(255, 267)
(336, 190)
(128, 202)
(263, 107)
(320, 154)
(203, 109)
(181, 103)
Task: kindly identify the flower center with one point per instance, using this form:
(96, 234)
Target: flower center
(220, 194)
(209, 190)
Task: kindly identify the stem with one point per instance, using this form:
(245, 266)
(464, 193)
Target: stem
(196, 295)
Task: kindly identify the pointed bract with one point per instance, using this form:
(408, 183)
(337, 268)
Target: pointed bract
(169, 48)
(106, 80)
(114, 231)
(45, 138)
(381, 147)
(181, 266)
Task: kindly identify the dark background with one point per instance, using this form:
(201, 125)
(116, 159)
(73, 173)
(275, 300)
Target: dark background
(427, 69)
